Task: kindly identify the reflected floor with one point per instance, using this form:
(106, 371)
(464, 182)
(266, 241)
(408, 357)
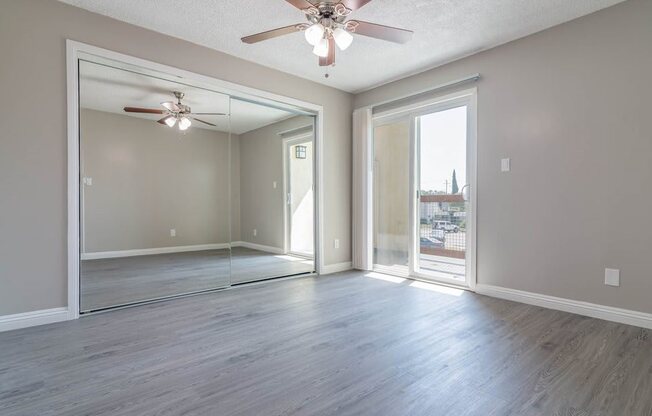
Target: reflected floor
(249, 265)
(118, 281)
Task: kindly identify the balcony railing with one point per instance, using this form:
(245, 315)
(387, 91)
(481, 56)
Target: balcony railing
(443, 225)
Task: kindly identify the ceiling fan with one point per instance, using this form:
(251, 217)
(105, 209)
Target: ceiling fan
(327, 26)
(174, 113)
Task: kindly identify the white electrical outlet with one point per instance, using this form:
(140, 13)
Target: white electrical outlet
(612, 277)
(173, 232)
(255, 232)
(274, 184)
(336, 243)
(505, 165)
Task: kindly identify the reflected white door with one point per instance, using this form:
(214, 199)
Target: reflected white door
(299, 196)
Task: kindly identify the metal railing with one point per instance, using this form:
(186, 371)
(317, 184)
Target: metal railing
(443, 225)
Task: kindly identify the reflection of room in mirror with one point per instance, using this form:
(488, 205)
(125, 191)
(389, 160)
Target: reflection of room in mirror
(276, 201)
(176, 178)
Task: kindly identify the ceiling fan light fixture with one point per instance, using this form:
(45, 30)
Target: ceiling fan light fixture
(321, 48)
(314, 33)
(342, 38)
(184, 123)
(170, 121)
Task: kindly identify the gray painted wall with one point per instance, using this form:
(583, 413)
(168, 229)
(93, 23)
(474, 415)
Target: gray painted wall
(33, 164)
(571, 107)
(148, 179)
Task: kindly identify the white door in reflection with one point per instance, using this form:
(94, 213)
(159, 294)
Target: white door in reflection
(299, 196)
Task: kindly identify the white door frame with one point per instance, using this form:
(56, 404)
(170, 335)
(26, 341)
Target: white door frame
(76, 50)
(466, 97)
(287, 222)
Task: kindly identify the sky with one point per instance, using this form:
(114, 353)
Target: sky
(443, 148)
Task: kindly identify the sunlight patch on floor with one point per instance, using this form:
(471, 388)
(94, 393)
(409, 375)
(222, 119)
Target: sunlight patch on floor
(446, 290)
(385, 277)
(432, 287)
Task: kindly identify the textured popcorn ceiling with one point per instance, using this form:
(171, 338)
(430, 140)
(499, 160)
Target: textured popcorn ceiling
(444, 30)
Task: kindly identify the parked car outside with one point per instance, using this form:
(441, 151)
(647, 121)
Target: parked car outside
(437, 234)
(447, 226)
(431, 242)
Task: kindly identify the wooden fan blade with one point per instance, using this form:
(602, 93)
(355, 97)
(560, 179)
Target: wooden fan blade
(354, 4)
(258, 37)
(205, 122)
(143, 110)
(302, 5)
(162, 121)
(209, 114)
(330, 58)
(171, 105)
(373, 30)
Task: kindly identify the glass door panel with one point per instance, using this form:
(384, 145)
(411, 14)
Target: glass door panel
(391, 153)
(441, 159)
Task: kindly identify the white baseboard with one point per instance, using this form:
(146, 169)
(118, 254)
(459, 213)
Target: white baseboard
(608, 313)
(26, 319)
(336, 268)
(259, 247)
(150, 251)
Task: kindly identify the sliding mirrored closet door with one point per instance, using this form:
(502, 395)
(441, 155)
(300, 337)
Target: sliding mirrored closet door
(155, 187)
(273, 220)
(186, 188)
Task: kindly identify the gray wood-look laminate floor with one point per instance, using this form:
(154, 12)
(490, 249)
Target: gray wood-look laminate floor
(117, 281)
(345, 344)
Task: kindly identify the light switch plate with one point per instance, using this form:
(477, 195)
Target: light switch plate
(612, 277)
(173, 232)
(505, 165)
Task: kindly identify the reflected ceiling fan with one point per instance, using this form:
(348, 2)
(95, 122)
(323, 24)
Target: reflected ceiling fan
(175, 113)
(327, 26)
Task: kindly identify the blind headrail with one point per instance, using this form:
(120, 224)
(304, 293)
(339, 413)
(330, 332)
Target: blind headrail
(399, 101)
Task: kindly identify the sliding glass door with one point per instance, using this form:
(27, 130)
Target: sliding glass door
(424, 167)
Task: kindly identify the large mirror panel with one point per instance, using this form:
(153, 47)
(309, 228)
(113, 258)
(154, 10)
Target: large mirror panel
(155, 187)
(273, 187)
